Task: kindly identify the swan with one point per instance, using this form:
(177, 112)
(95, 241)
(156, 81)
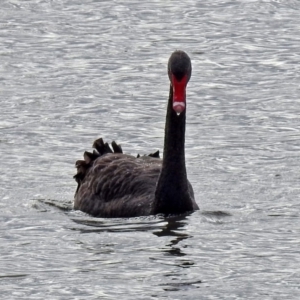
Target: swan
(112, 184)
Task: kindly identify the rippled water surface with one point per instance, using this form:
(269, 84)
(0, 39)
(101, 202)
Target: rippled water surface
(72, 71)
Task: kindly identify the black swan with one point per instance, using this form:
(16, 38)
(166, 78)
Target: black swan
(112, 184)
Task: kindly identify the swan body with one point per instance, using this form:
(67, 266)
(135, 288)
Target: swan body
(114, 184)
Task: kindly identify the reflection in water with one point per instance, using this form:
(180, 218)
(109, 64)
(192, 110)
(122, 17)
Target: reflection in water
(171, 229)
(72, 71)
(175, 228)
(114, 225)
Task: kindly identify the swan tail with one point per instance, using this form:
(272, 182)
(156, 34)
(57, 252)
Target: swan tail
(116, 148)
(89, 157)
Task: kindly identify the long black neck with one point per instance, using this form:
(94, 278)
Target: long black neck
(172, 194)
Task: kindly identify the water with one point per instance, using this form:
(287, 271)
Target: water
(73, 71)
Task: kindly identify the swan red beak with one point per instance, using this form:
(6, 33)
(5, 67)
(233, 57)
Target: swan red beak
(179, 87)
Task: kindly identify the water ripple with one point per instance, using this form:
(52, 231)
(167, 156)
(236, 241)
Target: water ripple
(74, 71)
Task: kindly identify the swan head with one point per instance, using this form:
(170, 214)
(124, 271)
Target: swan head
(179, 72)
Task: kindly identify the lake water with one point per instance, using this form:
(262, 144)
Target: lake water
(73, 71)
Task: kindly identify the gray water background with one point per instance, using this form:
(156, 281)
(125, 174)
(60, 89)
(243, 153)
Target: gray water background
(72, 71)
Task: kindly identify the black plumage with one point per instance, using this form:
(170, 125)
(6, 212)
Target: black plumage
(114, 184)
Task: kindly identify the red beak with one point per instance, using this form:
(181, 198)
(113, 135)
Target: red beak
(179, 87)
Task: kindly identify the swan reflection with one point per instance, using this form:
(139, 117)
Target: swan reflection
(174, 228)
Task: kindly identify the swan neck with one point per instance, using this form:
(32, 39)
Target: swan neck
(172, 190)
(174, 137)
